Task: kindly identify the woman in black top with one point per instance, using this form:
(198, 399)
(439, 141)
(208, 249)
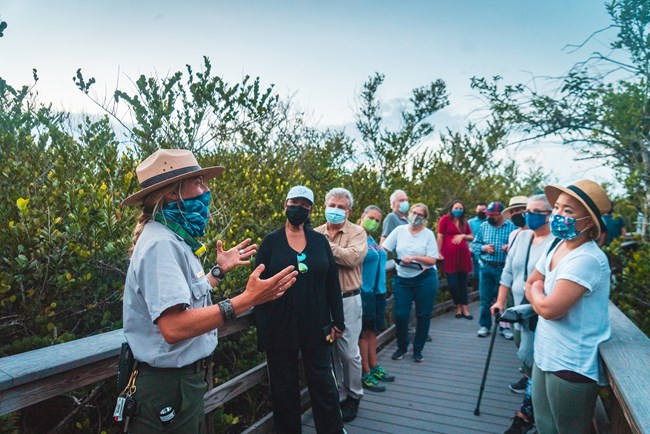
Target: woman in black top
(307, 318)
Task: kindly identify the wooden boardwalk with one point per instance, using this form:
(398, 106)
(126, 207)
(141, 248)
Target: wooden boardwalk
(440, 394)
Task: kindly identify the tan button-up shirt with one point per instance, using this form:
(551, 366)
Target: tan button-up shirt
(349, 246)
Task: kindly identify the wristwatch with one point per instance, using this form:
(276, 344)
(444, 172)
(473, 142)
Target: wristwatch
(218, 273)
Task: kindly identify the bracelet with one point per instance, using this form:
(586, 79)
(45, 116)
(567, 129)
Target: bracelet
(227, 310)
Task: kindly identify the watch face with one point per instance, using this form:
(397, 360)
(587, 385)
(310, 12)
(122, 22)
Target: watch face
(217, 272)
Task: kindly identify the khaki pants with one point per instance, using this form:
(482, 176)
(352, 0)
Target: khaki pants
(346, 354)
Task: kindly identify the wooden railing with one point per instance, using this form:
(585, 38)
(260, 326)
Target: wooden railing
(627, 358)
(35, 376)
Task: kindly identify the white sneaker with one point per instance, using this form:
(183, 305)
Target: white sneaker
(482, 332)
(507, 333)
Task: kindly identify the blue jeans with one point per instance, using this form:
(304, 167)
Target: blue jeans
(423, 290)
(488, 289)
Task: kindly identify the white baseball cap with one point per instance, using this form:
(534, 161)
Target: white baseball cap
(301, 191)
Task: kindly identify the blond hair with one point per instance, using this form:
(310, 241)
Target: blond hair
(151, 204)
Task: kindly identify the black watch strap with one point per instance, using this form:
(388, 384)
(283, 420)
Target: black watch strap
(217, 273)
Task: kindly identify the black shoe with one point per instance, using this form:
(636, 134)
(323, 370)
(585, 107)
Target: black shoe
(459, 315)
(429, 338)
(417, 357)
(519, 386)
(470, 317)
(349, 409)
(398, 354)
(518, 426)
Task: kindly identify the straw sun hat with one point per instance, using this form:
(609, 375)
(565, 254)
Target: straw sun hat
(589, 193)
(166, 166)
(515, 202)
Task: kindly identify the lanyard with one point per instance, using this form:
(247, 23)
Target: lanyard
(197, 247)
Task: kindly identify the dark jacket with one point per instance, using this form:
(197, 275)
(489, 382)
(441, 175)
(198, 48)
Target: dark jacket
(301, 317)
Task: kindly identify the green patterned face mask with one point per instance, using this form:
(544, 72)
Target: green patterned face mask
(370, 225)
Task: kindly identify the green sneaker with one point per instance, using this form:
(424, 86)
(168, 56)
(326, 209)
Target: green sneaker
(371, 383)
(381, 375)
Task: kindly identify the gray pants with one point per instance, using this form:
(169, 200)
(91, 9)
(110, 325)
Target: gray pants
(525, 351)
(562, 406)
(347, 357)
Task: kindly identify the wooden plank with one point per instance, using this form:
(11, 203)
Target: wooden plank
(627, 358)
(30, 393)
(440, 394)
(37, 375)
(45, 362)
(234, 387)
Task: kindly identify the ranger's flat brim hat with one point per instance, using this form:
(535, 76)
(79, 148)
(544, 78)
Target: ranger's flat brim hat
(589, 193)
(165, 167)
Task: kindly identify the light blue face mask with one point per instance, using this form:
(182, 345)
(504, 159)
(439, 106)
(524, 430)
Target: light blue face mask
(192, 214)
(404, 206)
(335, 216)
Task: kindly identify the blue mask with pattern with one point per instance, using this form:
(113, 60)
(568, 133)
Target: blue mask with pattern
(192, 214)
(565, 227)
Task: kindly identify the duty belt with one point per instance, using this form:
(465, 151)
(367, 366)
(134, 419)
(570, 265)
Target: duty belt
(199, 366)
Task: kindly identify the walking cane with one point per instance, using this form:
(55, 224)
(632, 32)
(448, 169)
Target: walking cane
(497, 316)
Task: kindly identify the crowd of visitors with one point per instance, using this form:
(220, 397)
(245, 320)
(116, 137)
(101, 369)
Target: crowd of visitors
(319, 295)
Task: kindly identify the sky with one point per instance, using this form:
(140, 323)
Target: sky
(319, 53)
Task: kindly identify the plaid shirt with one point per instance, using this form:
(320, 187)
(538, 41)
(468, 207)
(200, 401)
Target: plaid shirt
(497, 236)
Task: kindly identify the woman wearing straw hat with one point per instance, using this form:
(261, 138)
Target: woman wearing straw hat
(569, 289)
(169, 320)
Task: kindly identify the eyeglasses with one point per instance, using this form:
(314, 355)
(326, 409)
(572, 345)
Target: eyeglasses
(302, 267)
(417, 214)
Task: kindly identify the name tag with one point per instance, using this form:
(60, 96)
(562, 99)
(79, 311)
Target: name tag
(200, 274)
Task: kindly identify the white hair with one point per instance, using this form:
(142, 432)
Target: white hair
(340, 193)
(541, 198)
(394, 196)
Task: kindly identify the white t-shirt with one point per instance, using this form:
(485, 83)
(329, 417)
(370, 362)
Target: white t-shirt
(405, 244)
(515, 268)
(571, 341)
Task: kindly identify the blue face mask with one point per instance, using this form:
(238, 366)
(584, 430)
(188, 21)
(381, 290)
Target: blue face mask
(535, 220)
(404, 206)
(565, 227)
(457, 212)
(192, 214)
(335, 216)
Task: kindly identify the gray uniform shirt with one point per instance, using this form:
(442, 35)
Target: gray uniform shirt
(164, 272)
